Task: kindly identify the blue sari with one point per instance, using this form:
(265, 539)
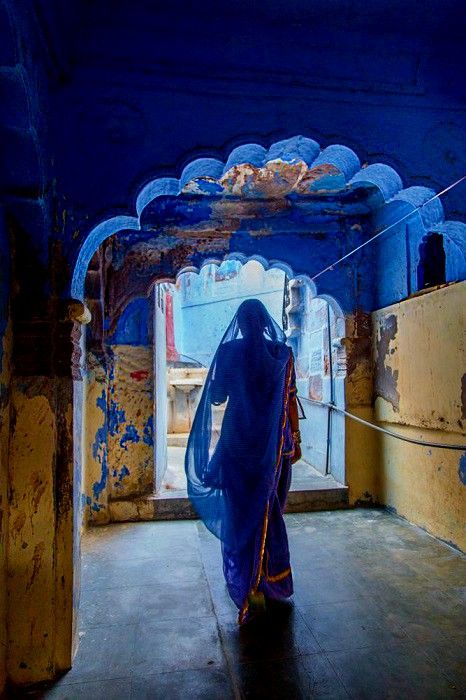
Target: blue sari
(238, 465)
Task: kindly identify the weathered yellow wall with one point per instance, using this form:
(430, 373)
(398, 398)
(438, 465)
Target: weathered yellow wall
(66, 542)
(420, 361)
(118, 429)
(31, 532)
(362, 458)
(5, 374)
(130, 434)
(40, 533)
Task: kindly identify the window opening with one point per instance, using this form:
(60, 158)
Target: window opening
(431, 267)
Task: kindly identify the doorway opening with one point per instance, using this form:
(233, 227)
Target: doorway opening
(190, 318)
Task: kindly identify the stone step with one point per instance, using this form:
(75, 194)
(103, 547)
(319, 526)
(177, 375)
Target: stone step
(307, 501)
(181, 439)
(175, 505)
(177, 439)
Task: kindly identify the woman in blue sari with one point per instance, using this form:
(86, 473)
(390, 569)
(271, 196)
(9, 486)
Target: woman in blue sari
(239, 472)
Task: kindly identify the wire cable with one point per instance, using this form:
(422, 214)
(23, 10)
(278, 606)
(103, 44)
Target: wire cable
(403, 218)
(379, 428)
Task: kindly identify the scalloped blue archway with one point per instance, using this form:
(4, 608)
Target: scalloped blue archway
(293, 167)
(279, 265)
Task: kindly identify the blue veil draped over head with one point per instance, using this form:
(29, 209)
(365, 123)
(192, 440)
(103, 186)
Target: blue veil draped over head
(234, 441)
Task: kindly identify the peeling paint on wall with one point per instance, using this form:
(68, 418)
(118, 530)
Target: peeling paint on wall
(428, 356)
(120, 475)
(385, 376)
(130, 435)
(118, 426)
(116, 416)
(130, 440)
(148, 431)
(99, 453)
(426, 486)
(95, 428)
(357, 343)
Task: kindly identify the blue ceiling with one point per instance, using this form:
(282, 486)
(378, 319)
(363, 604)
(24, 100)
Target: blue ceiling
(100, 98)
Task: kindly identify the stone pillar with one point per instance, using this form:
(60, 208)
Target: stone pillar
(43, 534)
(361, 442)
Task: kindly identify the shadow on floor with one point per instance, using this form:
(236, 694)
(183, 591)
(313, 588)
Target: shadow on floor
(378, 612)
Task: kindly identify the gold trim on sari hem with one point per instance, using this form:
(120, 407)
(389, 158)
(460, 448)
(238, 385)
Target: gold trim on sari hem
(244, 610)
(278, 577)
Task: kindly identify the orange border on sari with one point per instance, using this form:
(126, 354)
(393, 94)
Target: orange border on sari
(244, 610)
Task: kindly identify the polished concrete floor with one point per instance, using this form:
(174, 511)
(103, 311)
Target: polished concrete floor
(378, 612)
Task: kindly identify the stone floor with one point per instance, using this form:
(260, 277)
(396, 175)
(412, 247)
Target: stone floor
(378, 613)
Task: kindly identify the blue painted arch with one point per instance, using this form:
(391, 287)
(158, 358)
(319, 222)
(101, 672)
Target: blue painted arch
(381, 177)
(317, 291)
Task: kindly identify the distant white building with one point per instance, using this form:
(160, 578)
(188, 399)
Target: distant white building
(205, 303)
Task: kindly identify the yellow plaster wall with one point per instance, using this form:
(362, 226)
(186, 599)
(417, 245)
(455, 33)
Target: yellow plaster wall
(423, 484)
(31, 566)
(4, 447)
(117, 417)
(130, 435)
(361, 459)
(420, 361)
(40, 531)
(66, 541)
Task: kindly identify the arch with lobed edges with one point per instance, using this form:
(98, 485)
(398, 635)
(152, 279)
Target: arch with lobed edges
(269, 265)
(295, 166)
(335, 458)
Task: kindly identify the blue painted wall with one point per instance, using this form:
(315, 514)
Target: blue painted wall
(5, 283)
(96, 105)
(133, 325)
